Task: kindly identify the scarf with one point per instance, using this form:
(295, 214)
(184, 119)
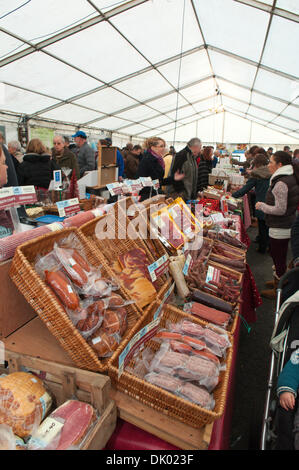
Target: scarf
(159, 158)
(283, 170)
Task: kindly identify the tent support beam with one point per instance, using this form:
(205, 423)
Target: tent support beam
(267, 8)
(69, 32)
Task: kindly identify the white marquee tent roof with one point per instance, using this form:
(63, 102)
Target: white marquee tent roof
(225, 70)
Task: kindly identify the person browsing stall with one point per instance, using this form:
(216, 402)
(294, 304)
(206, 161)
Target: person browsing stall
(152, 165)
(280, 210)
(37, 166)
(205, 165)
(63, 156)
(185, 162)
(86, 155)
(258, 180)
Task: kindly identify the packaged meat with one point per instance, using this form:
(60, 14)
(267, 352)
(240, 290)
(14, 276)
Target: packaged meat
(111, 322)
(89, 318)
(172, 384)
(197, 395)
(103, 343)
(189, 328)
(199, 370)
(178, 276)
(71, 266)
(211, 301)
(217, 343)
(62, 288)
(168, 335)
(9, 441)
(209, 314)
(122, 314)
(167, 361)
(116, 300)
(208, 355)
(66, 428)
(141, 290)
(178, 346)
(24, 402)
(197, 367)
(194, 342)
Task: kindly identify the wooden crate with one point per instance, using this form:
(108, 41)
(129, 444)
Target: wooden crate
(68, 382)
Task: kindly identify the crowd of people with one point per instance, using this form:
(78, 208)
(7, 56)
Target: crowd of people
(271, 179)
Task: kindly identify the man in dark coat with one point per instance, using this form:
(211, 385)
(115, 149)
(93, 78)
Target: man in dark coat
(185, 162)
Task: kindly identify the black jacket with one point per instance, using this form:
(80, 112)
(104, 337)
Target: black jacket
(150, 166)
(204, 169)
(185, 162)
(36, 170)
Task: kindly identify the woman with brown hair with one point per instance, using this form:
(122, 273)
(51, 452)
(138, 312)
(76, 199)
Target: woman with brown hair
(153, 165)
(259, 180)
(280, 209)
(37, 167)
(205, 165)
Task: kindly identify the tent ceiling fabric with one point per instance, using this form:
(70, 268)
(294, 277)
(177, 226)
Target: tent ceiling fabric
(127, 66)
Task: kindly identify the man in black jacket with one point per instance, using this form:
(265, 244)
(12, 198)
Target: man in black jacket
(185, 162)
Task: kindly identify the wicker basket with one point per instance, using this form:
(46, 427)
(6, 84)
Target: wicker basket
(158, 398)
(48, 307)
(111, 248)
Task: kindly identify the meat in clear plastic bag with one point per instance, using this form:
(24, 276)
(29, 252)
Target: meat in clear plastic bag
(66, 428)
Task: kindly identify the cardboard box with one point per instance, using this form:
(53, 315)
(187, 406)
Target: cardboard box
(109, 175)
(109, 156)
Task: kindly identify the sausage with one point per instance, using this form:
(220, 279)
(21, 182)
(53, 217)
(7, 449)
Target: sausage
(191, 328)
(73, 269)
(62, 287)
(194, 342)
(210, 314)
(206, 354)
(183, 348)
(214, 338)
(197, 395)
(196, 368)
(169, 335)
(80, 260)
(211, 301)
(166, 381)
(172, 360)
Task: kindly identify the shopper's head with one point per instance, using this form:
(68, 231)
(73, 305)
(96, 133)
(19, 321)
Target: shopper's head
(260, 160)
(156, 145)
(59, 144)
(36, 146)
(252, 151)
(136, 150)
(207, 153)
(281, 159)
(3, 168)
(296, 153)
(14, 146)
(195, 146)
